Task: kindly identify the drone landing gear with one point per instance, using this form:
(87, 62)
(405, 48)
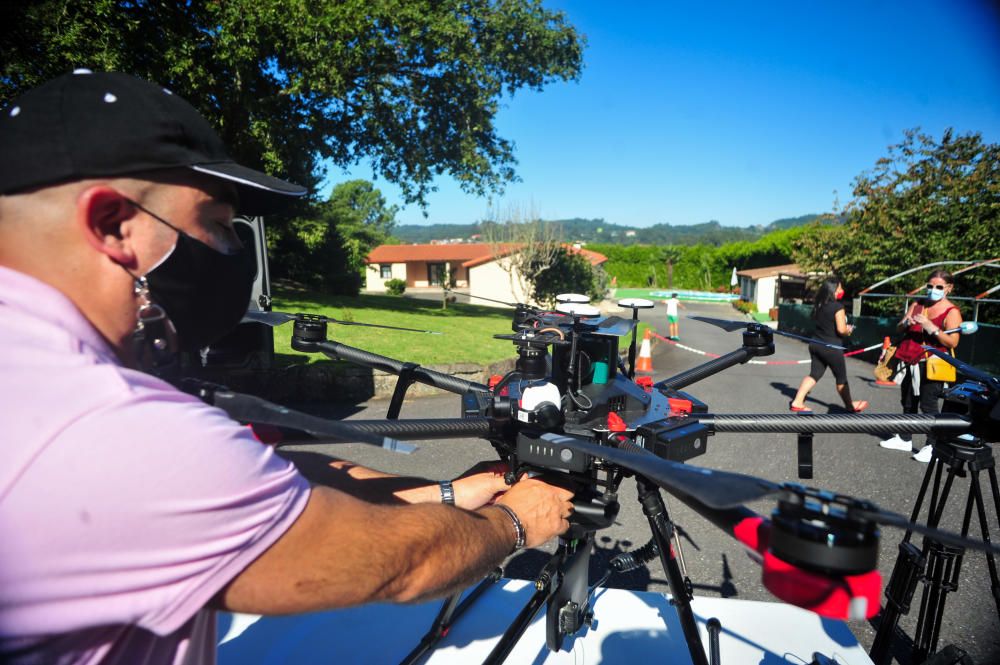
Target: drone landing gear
(562, 587)
(450, 612)
(662, 528)
(938, 565)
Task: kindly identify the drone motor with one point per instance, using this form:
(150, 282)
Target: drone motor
(817, 530)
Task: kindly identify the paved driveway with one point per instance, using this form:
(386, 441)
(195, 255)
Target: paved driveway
(717, 565)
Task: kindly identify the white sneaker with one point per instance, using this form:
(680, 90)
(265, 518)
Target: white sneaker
(924, 455)
(897, 443)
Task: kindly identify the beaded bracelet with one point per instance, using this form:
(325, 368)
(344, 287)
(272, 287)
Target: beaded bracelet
(518, 527)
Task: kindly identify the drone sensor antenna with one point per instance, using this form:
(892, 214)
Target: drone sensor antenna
(635, 304)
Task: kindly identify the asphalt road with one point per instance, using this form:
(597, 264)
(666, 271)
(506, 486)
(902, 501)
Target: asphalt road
(851, 464)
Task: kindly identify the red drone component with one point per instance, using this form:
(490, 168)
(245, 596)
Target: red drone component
(615, 423)
(266, 434)
(679, 406)
(843, 597)
(646, 382)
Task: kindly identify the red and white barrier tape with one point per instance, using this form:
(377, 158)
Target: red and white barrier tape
(758, 362)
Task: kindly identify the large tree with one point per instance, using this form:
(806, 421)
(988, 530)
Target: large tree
(412, 85)
(926, 201)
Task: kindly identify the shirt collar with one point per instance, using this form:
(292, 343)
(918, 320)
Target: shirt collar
(46, 303)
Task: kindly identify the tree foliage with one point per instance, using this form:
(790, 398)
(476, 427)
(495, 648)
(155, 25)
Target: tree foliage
(565, 272)
(926, 201)
(328, 248)
(523, 244)
(412, 85)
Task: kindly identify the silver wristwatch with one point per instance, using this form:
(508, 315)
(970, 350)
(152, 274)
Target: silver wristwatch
(447, 492)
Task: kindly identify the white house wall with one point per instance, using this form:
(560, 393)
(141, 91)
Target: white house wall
(490, 280)
(766, 290)
(373, 281)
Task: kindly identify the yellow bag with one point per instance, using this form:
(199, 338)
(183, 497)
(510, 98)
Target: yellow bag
(939, 369)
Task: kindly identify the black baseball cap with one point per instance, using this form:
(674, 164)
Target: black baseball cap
(101, 124)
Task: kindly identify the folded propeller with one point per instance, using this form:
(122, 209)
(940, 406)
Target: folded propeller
(730, 326)
(275, 319)
(724, 489)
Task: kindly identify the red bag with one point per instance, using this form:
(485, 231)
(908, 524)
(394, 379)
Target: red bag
(909, 352)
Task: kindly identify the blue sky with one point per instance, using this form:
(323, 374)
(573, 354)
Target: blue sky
(741, 112)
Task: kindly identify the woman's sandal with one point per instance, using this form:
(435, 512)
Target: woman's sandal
(860, 406)
(799, 409)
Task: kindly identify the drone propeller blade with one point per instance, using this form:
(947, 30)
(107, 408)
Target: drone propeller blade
(250, 409)
(828, 345)
(378, 325)
(715, 489)
(499, 302)
(272, 319)
(948, 538)
(730, 326)
(966, 369)
(278, 318)
(725, 324)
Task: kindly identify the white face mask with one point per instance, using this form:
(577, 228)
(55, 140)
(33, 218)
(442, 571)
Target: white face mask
(935, 294)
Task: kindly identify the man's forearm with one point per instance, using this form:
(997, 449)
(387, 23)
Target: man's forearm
(343, 552)
(378, 487)
(464, 559)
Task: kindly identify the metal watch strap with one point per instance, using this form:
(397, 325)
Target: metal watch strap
(447, 492)
(518, 527)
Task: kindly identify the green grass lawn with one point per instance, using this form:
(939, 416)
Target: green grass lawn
(466, 330)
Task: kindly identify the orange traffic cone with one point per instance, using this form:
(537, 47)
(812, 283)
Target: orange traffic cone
(644, 363)
(881, 370)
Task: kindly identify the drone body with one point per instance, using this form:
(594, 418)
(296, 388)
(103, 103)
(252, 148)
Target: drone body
(571, 408)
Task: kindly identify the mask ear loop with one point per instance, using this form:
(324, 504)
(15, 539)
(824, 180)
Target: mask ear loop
(153, 341)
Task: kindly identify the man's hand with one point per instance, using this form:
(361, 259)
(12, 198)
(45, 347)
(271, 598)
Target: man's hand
(480, 485)
(543, 508)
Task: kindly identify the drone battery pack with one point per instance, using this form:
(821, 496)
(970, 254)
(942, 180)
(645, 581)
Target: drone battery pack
(674, 439)
(546, 454)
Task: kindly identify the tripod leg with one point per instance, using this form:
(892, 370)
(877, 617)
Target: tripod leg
(899, 592)
(983, 522)
(659, 522)
(906, 572)
(943, 563)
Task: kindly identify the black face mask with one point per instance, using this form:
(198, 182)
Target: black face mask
(204, 292)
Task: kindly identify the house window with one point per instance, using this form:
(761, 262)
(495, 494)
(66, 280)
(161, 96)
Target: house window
(435, 274)
(385, 271)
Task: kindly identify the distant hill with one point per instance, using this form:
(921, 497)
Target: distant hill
(597, 230)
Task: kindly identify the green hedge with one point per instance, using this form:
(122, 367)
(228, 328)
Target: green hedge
(699, 267)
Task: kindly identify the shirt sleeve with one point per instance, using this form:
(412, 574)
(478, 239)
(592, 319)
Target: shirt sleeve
(150, 507)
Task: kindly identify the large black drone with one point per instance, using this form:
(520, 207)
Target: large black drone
(571, 406)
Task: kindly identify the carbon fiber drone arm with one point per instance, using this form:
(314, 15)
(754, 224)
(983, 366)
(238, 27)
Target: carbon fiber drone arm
(429, 377)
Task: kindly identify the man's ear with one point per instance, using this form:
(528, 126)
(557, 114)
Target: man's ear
(101, 215)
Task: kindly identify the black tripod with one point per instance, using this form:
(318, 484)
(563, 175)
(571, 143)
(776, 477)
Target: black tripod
(938, 565)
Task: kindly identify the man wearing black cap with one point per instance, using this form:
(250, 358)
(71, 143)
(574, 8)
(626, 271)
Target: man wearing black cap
(128, 509)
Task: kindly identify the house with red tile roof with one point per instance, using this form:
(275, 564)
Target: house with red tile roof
(478, 269)
(764, 286)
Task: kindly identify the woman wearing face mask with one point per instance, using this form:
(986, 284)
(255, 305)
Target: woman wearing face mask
(924, 325)
(831, 327)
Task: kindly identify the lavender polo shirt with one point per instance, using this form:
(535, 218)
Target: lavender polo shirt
(125, 505)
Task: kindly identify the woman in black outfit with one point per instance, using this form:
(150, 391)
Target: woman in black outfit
(831, 326)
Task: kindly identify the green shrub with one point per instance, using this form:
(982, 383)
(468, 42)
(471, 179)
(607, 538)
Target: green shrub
(745, 306)
(395, 287)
